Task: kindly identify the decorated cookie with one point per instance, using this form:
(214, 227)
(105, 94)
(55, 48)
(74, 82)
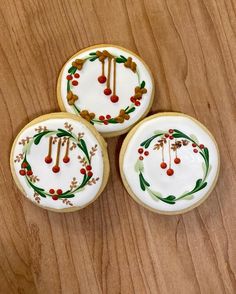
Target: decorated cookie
(169, 163)
(109, 86)
(59, 161)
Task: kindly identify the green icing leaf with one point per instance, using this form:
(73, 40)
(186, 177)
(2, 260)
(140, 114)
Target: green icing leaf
(38, 137)
(93, 58)
(92, 53)
(130, 110)
(72, 70)
(120, 60)
(67, 196)
(142, 84)
(63, 133)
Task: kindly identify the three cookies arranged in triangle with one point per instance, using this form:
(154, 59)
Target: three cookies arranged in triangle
(169, 162)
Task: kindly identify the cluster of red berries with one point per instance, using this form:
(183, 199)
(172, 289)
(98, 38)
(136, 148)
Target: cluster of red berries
(135, 101)
(140, 151)
(88, 170)
(55, 194)
(74, 82)
(105, 119)
(201, 146)
(24, 170)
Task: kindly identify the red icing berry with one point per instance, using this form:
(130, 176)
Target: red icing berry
(140, 150)
(48, 159)
(132, 99)
(22, 172)
(194, 145)
(59, 191)
(171, 131)
(108, 116)
(102, 79)
(56, 169)
(55, 197)
(76, 75)
(140, 157)
(195, 150)
(24, 164)
(163, 165)
(167, 135)
(69, 77)
(107, 91)
(75, 83)
(88, 167)
(51, 191)
(171, 137)
(105, 122)
(90, 174)
(83, 171)
(101, 117)
(201, 146)
(177, 160)
(29, 172)
(137, 103)
(66, 159)
(170, 172)
(146, 153)
(114, 98)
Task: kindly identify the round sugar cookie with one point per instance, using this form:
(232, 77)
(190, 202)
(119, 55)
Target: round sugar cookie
(109, 86)
(169, 163)
(60, 162)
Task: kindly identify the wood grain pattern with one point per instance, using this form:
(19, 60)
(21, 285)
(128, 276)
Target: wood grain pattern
(115, 245)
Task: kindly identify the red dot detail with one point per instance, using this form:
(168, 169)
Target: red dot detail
(55, 197)
(48, 159)
(75, 83)
(177, 160)
(83, 171)
(114, 98)
(163, 165)
(101, 117)
(102, 79)
(69, 77)
(107, 91)
(29, 172)
(56, 169)
(195, 150)
(66, 159)
(22, 172)
(76, 75)
(51, 191)
(59, 191)
(170, 172)
(140, 150)
(88, 167)
(146, 153)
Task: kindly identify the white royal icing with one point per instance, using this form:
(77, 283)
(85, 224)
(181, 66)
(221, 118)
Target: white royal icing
(185, 174)
(90, 91)
(68, 171)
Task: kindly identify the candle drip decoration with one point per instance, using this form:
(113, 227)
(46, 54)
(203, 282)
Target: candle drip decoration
(56, 167)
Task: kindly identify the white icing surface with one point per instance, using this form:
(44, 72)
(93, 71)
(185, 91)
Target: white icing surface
(61, 180)
(185, 174)
(90, 91)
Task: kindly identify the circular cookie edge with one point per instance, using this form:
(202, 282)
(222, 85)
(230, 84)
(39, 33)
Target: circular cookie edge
(116, 133)
(125, 182)
(97, 135)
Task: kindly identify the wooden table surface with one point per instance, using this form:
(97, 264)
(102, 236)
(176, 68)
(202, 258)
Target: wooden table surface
(115, 245)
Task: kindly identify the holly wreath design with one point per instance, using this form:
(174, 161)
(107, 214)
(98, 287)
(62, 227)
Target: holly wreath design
(105, 58)
(173, 140)
(60, 137)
